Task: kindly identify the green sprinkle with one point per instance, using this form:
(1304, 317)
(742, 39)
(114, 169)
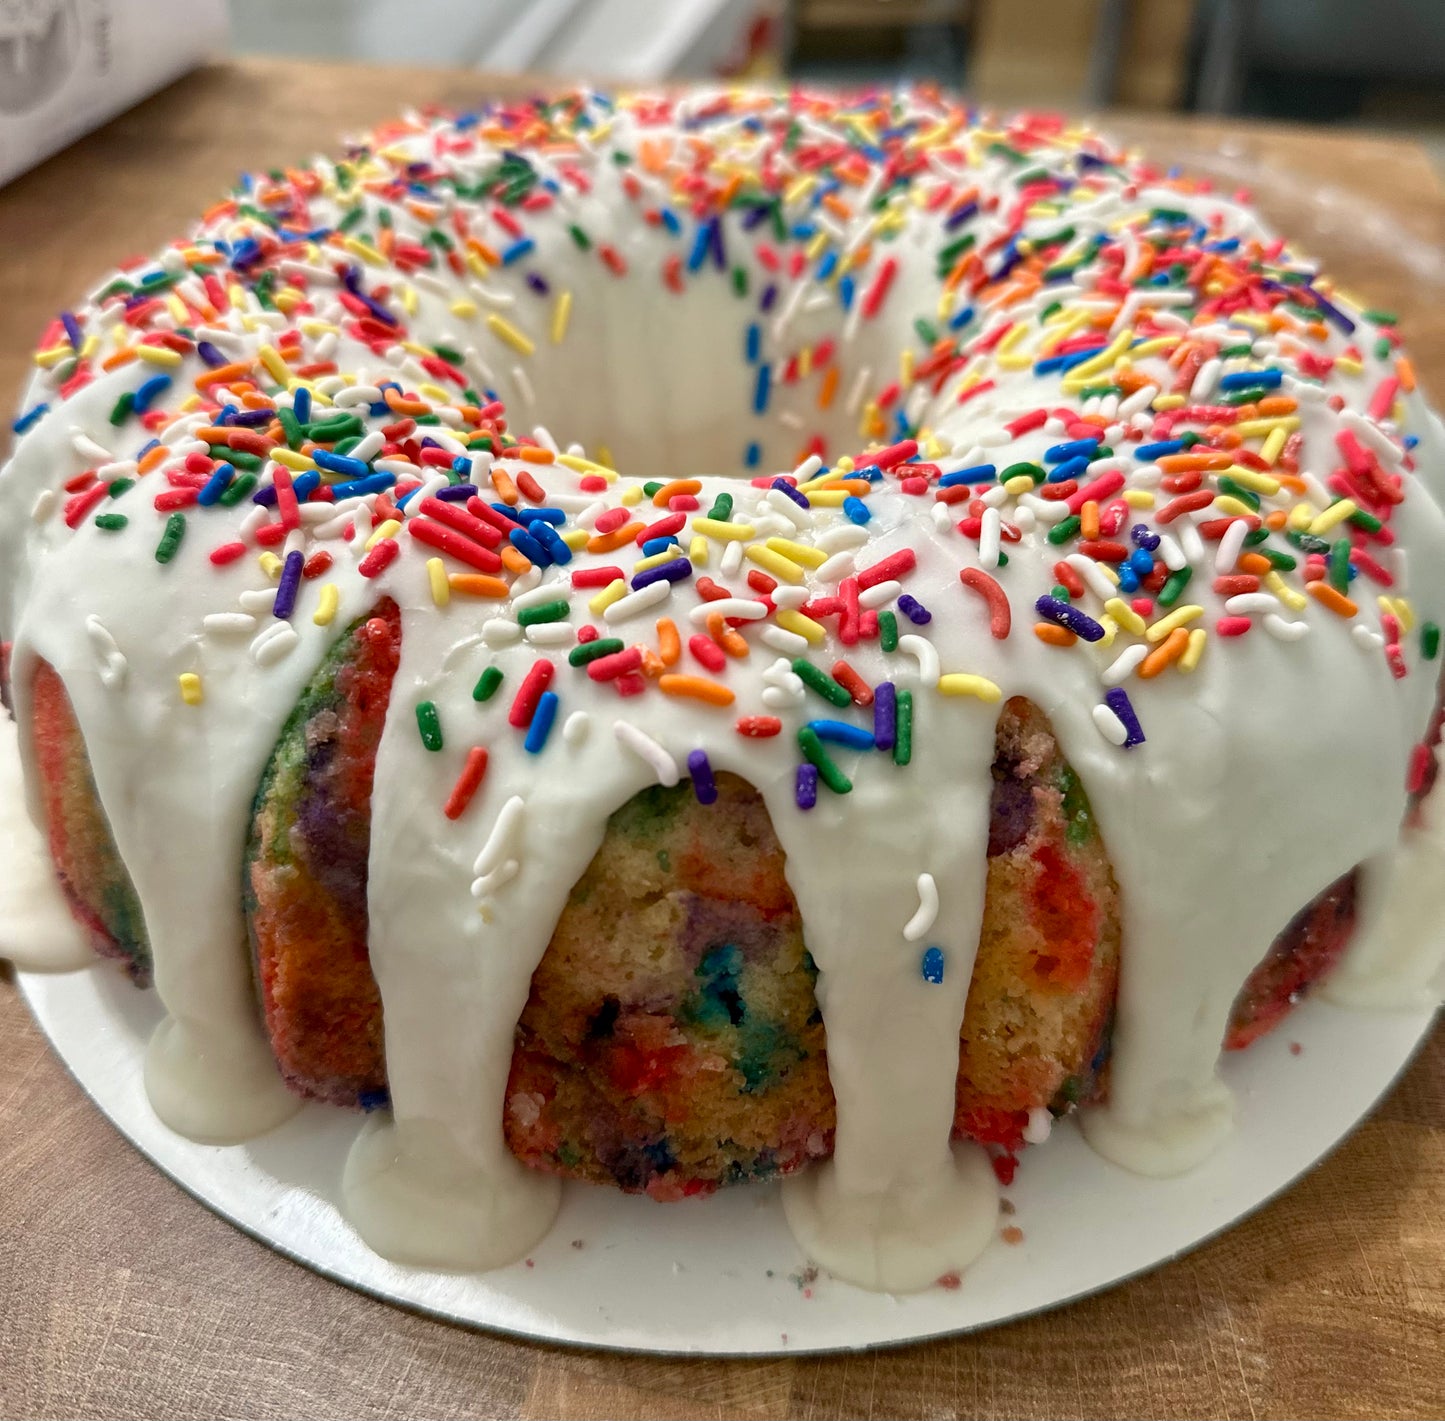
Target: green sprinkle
(1090, 392)
(1364, 520)
(1255, 537)
(1381, 318)
(291, 426)
(1034, 471)
(1383, 348)
(223, 454)
(1065, 529)
(587, 651)
(651, 487)
(111, 522)
(580, 237)
(722, 508)
(1429, 641)
(554, 611)
(1339, 572)
(1174, 586)
(240, 487)
(1061, 593)
(119, 486)
(821, 682)
(171, 538)
(429, 724)
(120, 411)
(814, 754)
(888, 631)
(1238, 490)
(1307, 542)
(1283, 561)
(927, 332)
(487, 684)
(740, 281)
(903, 728)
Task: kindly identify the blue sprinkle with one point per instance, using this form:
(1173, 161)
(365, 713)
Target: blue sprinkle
(340, 464)
(377, 1099)
(805, 790)
(216, 485)
(932, 965)
(356, 488)
(703, 785)
(755, 342)
(1072, 450)
(959, 216)
(770, 294)
(846, 288)
(529, 516)
(150, 392)
(753, 455)
(1119, 703)
(1128, 579)
(914, 610)
(301, 404)
(784, 487)
(960, 319)
(826, 266)
(977, 474)
(541, 726)
(529, 547)
(551, 539)
(677, 570)
(1069, 469)
(669, 220)
(1141, 562)
(1252, 379)
(762, 389)
(855, 509)
(841, 732)
(517, 250)
(1070, 617)
(885, 715)
(701, 241)
(1159, 450)
(659, 545)
(31, 417)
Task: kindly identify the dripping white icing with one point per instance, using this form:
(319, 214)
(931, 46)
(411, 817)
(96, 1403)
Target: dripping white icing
(1270, 770)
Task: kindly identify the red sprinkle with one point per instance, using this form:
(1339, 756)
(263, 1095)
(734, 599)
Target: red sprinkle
(1000, 617)
(467, 783)
(708, 652)
(530, 692)
(227, 552)
(898, 565)
(853, 683)
(380, 557)
(759, 727)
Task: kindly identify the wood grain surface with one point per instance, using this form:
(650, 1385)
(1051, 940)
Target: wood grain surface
(120, 1296)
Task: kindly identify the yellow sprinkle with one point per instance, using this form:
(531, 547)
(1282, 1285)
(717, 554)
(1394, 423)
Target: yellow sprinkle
(1079, 375)
(1194, 650)
(1169, 402)
(561, 312)
(1285, 592)
(1249, 428)
(960, 683)
(828, 498)
(780, 567)
(1401, 607)
(271, 358)
(270, 564)
(723, 532)
(630, 495)
(434, 393)
(1015, 360)
(1153, 347)
(697, 550)
(366, 252)
(505, 330)
(158, 355)
(1111, 630)
(1300, 517)
(1335, 514)
(601, 601)
(436, 572)
(794, 621)
(191, 692)
(668, 554)
(1011, 339)
(1125, 615)
(1250, 479)
(1234, 507)
(1254, 323)
(798, 552)
(464, 309)
(1348, 365)
(475, 263)
(815, 248)
(409, 302)
(576, 538)
(292, 460)
(1269, 451)
(388, 529)
(1019, 484)
(1139, 497)
(1179, 617)
(579, 465)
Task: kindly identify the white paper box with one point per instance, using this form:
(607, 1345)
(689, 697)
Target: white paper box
(66, 66)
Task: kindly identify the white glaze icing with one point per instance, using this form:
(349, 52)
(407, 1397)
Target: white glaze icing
(1274, 767)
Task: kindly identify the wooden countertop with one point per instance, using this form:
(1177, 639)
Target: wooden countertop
(120, 1296)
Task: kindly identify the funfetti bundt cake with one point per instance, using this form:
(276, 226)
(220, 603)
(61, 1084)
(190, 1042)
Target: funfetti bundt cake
(675, 640)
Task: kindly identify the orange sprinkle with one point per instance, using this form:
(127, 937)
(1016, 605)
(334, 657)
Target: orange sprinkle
(1275, 519)
(1272, 406)
(1054, 635)
(1170, 649)
(514, 559)
(1255, 563)
(651, 665)
(121, 357)
(1188, 463)
(224, 374)
(830, 387)
(401, 405)
(536, 454)
(609, 542)
(672, 490)
(505, 487)
(1335, 600)
(478, 584)
(1089, 519)
(1292, 482)
(699, 688)
(730, 641)
(1405, 369)
(158, 455)
(669, 642)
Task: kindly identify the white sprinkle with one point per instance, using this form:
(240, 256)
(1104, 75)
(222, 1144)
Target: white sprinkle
(357, 395)
(845, 535)
(926, 655)
(781, 503)
(880, 593)
(788, 597)
(1094, 577)
(1041, 1124)
(1230, 546)
(88, 449)
(368, 446)
(1124, 665)
(988, 537)
(781, 639)
(732, 557)
(541, 592)
(1139, 400)
(551, 634)
(808, 468)
(524, 386)
(1276, 626)
(232, 623)
(1110, 726)
(1370, 640)
(1171, 553)
(854, 402)
(501, 631)
(648, 750)
(927, 913)
(576, 727)
(502, 839)
(253, 520)
(258, 600)
(781, 697)
(1204, 381)
(1191, 542)
(635, 603)
(44, 505)
(942, 520)
(743, 607)
(1047, 510)
(488, 883)
(277, 641)
(1246, 604)
(113, 664)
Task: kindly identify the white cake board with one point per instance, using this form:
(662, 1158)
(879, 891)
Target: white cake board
(722, 1275)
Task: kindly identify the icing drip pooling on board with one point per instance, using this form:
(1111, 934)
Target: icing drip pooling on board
(1036, 421)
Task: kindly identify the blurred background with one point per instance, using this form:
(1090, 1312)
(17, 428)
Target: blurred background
(1379, 64)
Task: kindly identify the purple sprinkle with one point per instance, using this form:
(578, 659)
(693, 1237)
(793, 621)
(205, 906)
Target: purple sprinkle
(1119, 703)
(457, 493)
(755, 217)
(1143, 538)
(914, 610)
(959, 216)
(210, 354)
(72, 329)
(1080, 623)
(265, 496)
(770, 294)
(676, 570)
(249, 419)
(285, 602)
(538, 283)
(806, 791)
(783, 486)
(703, 785)
(885, 715)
